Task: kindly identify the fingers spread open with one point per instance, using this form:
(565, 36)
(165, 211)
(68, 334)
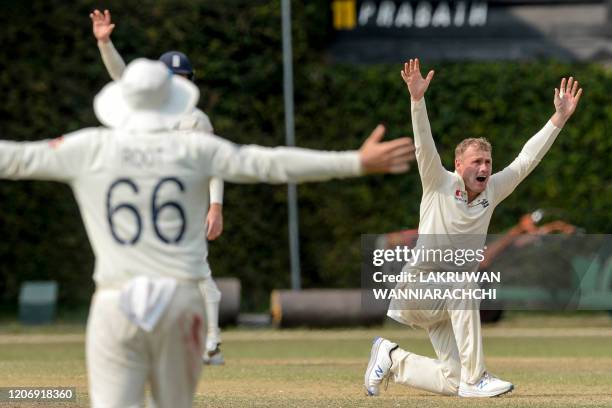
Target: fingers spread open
(562, 86)
(578, 95)
(575, 88)
(430, 76)
(376, 135)
(400, 168)
(405, 151)
(399, 161)
(97, 16)
(397, 143)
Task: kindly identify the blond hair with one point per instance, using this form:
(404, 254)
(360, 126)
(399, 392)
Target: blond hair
(481, 143)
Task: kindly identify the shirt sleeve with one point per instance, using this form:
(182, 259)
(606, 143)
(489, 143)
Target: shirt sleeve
(504, 182)
(251, 164)
(428, 160)
(61, 159)
(198, 120)
(215, 187)
(112, 60)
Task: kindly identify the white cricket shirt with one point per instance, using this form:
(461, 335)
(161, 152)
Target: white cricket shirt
(143, 196)
(444, 207)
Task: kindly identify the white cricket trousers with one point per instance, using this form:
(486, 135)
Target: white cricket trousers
(122, 358)
(457, 340)
(212, 297)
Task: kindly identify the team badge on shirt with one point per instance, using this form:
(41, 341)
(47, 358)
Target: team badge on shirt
(460, 196)
(483, 201)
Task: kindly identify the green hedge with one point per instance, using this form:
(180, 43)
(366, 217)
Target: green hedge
(51, 71)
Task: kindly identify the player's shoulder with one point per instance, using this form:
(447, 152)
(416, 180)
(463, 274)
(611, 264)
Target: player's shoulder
(187, 135)
(91, 135)
(81, 143)
(195, 120)
(448, 180)
(202, 121)
(198, 113)
(198, 136)
(447, 185)
(203, 141)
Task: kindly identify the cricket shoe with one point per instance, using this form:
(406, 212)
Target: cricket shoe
(213, 356)
(379, 367)
(487, 386)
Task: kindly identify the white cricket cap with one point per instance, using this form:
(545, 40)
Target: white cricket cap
(147, 97)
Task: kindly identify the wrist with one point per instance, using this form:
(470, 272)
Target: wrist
(216, 207)
(103, 41)
(365, 164)
(558, 119)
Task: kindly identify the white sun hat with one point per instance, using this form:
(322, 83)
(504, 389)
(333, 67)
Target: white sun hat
(147, 97)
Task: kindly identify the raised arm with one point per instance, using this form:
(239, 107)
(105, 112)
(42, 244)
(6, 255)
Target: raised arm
(565, 100)
(102, 29)
(248, 164)
(428, 159)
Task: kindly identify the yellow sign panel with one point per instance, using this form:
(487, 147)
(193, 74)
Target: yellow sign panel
(345, 14)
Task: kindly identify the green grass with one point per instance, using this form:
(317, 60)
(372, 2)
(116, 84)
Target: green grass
(553, 361)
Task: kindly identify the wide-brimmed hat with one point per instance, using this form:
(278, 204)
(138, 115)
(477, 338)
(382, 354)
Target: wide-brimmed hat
(147, 97)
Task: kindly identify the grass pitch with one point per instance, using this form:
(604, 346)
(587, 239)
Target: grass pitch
(554, 362)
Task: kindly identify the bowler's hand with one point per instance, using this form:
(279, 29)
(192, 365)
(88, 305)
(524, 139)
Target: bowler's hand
(214, 220)
(417, 85)
(566, 100)
(102, 27)
(386, 157)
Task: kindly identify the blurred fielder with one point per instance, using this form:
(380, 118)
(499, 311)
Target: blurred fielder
(179, 64)
(460, 202)
(142, 189)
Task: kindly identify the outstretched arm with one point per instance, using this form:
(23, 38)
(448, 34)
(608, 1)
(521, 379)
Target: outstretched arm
(62, 159)
(248, 164)
(428, 159)
(102, 29)
(565, 100)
